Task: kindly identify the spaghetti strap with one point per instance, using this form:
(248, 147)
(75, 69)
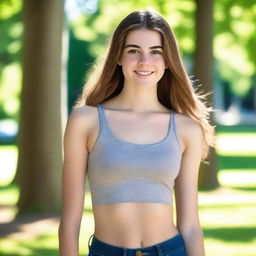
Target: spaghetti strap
(174, 128)
(101, 116)
(121, 171)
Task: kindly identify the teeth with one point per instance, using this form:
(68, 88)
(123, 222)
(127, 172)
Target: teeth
(143, 73)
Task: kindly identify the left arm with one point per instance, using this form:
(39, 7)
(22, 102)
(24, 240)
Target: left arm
(186, 189)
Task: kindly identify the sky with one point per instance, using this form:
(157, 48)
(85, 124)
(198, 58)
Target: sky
(74, 8)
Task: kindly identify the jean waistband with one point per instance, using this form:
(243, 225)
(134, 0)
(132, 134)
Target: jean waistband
(106, 249)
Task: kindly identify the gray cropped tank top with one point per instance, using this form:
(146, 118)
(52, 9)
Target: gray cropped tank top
(120, 171)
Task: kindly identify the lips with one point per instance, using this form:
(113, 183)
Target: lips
(144, 73)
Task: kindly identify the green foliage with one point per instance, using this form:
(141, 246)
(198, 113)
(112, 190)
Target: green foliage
(94, 30)
(97, 28)
(11, 29)
(234, 43)
(8, 8)
(234, 26)
(79, 60)
(10, 90)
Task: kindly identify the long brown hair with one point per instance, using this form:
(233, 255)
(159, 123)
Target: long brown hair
(174, 90)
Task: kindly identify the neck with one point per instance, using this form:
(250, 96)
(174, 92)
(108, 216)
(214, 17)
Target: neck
(139, 99)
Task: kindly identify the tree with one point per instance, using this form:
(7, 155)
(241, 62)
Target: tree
(235, 43)
(203, 70)
(41, 114)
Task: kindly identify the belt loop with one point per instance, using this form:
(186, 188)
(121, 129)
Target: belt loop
(90, 241)
(159, 250)
(125, 252)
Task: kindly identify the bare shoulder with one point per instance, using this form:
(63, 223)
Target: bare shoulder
(84, 113)
(83, 118)
(188, 129)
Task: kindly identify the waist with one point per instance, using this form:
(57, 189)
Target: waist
(137, 223)
(172, 245)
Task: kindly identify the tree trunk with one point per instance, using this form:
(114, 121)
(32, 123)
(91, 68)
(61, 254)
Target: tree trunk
(203, 70)
(42, 111)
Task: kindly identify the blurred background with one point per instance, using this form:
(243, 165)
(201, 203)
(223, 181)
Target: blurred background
(46, 50)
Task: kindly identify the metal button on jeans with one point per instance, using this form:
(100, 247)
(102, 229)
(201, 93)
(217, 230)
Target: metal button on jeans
(140, 253)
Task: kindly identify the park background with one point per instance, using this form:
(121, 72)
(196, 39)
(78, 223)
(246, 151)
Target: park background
(46, 50)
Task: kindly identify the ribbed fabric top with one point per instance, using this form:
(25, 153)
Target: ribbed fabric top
(121, 171)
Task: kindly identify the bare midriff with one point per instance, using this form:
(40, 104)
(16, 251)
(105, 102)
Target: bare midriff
(134, 225)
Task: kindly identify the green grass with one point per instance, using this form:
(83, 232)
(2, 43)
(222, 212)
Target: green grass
(227, 214)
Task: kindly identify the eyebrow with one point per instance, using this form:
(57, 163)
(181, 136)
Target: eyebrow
(137, 46)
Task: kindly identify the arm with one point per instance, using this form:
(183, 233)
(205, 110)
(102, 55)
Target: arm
(186, 189)
(73, 183)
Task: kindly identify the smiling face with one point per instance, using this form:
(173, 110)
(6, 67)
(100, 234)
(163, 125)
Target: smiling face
(142, 58)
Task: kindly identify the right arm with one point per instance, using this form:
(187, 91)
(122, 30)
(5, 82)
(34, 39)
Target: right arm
(73, 183)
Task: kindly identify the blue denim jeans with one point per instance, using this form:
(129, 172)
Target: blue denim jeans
(172, 247)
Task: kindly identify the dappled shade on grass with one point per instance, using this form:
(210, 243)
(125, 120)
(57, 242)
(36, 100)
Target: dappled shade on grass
(232, 234)
(227, 214)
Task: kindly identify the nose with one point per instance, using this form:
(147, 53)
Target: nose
(144, 59)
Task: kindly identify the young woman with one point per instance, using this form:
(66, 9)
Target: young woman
(139, 132)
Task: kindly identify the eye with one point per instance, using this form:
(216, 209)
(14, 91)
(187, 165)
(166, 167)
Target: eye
(133, 51)
(156, 52)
